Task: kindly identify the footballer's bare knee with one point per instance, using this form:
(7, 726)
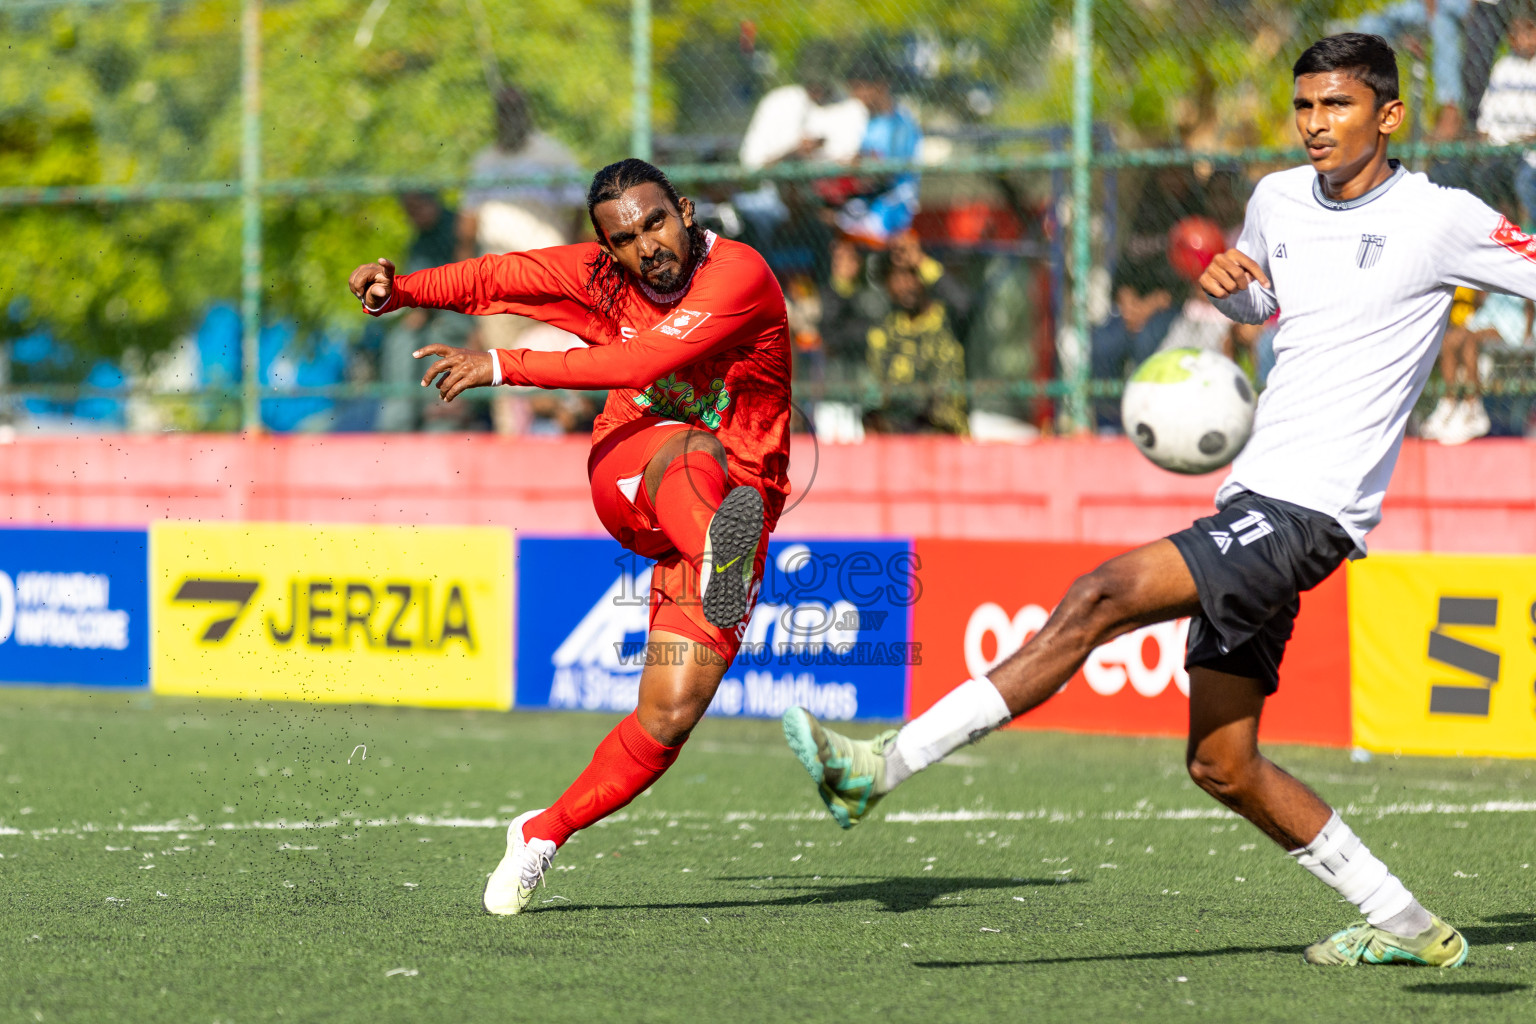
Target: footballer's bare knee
(1098, 605)
(1227, 774)
(670, 722)
(679, 444)
(706, 442)
(685, 441)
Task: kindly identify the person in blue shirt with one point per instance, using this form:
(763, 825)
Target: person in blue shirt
(887, 204)
(1144, 310)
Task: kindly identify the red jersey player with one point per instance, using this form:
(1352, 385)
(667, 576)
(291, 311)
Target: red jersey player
(689, 458)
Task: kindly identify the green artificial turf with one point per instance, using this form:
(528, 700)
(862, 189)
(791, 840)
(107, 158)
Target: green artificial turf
(724, 894)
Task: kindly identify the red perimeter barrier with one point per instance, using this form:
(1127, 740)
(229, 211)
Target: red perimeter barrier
(981, 600)
(1478, 498)
(951, 496)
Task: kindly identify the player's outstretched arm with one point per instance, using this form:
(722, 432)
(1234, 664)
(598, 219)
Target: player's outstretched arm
(545, 284)
(724, 311)
(457, 369)
(373, 283)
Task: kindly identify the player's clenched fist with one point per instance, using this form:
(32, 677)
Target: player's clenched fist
(1231, 272)
(374, 283)
(457, 369)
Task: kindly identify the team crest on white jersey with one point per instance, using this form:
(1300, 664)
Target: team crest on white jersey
(1370, 250)
(1279, 252)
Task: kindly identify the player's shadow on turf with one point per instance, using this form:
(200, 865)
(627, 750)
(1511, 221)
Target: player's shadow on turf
(1172, 954)
(1502, 929)
(895, 895)
(1509, 929)
(1467, 988)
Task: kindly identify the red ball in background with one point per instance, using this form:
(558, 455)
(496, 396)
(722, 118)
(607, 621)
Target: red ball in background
(1192, 243)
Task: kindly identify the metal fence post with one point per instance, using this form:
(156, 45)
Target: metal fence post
(250, 214)
(1082, 200)
(640, 76)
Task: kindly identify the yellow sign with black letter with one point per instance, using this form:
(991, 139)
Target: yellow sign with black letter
(1443, 654)
(342, 614)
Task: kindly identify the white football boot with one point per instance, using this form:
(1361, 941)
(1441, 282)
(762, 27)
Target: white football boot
(521, 870)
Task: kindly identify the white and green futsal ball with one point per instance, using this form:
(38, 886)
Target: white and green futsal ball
(1188, 410)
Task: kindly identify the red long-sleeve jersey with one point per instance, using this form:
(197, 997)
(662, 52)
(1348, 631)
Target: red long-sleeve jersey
(714, 354)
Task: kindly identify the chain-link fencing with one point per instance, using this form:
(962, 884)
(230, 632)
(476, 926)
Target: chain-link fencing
(184, 185)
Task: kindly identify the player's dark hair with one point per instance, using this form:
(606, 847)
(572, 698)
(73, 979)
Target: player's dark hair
(1367, 59)
(605, 277)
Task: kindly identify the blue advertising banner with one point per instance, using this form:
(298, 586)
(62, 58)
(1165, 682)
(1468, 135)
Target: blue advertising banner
(74, 607)
(831, 631)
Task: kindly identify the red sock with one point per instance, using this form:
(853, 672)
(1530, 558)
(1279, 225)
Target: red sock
(626, 763)
(690, 493)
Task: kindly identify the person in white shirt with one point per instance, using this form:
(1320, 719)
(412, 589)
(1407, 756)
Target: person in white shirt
(807, 121)
(500, 217)
(1507, 114)
(1360, 258)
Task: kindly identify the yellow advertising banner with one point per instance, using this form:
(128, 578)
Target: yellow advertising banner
(366, 614)
(1443, 654)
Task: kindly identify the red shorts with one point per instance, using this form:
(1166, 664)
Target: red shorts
(616, 469)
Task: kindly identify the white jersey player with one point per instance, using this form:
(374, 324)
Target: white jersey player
(1360, 258)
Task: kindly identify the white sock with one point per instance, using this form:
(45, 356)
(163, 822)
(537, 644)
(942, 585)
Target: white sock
(963, 715)
(1339, 858)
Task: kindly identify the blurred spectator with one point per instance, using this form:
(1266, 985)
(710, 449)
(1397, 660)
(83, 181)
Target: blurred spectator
(559, 412)
(1168, 196)
(876, 209)
(906, 250)
(1405, 23)
(1477, 319)
(1508, 110)
(808, 121)
(830, 331)
(290, 361)
(850, 306)
(1484, 28)
(802, 307)
(433, 246)
(916, 361)
(1143, 313)
(514, 218)
(1192, 243)
(1200, 325)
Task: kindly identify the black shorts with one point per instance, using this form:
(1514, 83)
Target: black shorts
(1251, 561)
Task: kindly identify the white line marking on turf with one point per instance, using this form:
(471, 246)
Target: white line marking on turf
(929, 817)
(1376, 811)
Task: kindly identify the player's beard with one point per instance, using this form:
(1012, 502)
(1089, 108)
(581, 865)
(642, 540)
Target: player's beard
(667, 279)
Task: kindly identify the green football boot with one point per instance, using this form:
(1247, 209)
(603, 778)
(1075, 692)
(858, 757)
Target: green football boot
(1439, 945)
(849, 773)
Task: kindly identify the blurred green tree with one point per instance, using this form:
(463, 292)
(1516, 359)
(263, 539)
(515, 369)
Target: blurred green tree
(140, 93)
